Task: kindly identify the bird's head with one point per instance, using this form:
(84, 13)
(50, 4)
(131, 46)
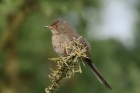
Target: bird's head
(59, 26)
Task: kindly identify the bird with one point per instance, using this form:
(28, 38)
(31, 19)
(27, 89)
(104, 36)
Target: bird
(62, 32)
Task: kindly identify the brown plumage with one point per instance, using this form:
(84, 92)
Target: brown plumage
(62, 33)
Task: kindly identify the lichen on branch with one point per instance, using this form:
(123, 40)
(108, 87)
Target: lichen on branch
(67, 66)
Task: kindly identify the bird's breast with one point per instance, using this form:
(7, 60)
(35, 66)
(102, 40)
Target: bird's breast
(58, 41)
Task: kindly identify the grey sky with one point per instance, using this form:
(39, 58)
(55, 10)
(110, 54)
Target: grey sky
(118, 18)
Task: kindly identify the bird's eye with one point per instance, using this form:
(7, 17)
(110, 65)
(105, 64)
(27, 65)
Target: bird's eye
(56, 26)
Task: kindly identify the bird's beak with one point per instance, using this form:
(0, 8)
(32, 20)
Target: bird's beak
(46, 26)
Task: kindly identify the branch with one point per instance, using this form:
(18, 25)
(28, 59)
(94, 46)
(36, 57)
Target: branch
(67, 66)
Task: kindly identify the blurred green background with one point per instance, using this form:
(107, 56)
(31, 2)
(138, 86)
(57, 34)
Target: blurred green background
(111, 27)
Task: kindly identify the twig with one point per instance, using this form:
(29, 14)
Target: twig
(67, 66)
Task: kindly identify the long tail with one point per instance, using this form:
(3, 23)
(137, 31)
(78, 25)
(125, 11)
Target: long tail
(97, 73)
